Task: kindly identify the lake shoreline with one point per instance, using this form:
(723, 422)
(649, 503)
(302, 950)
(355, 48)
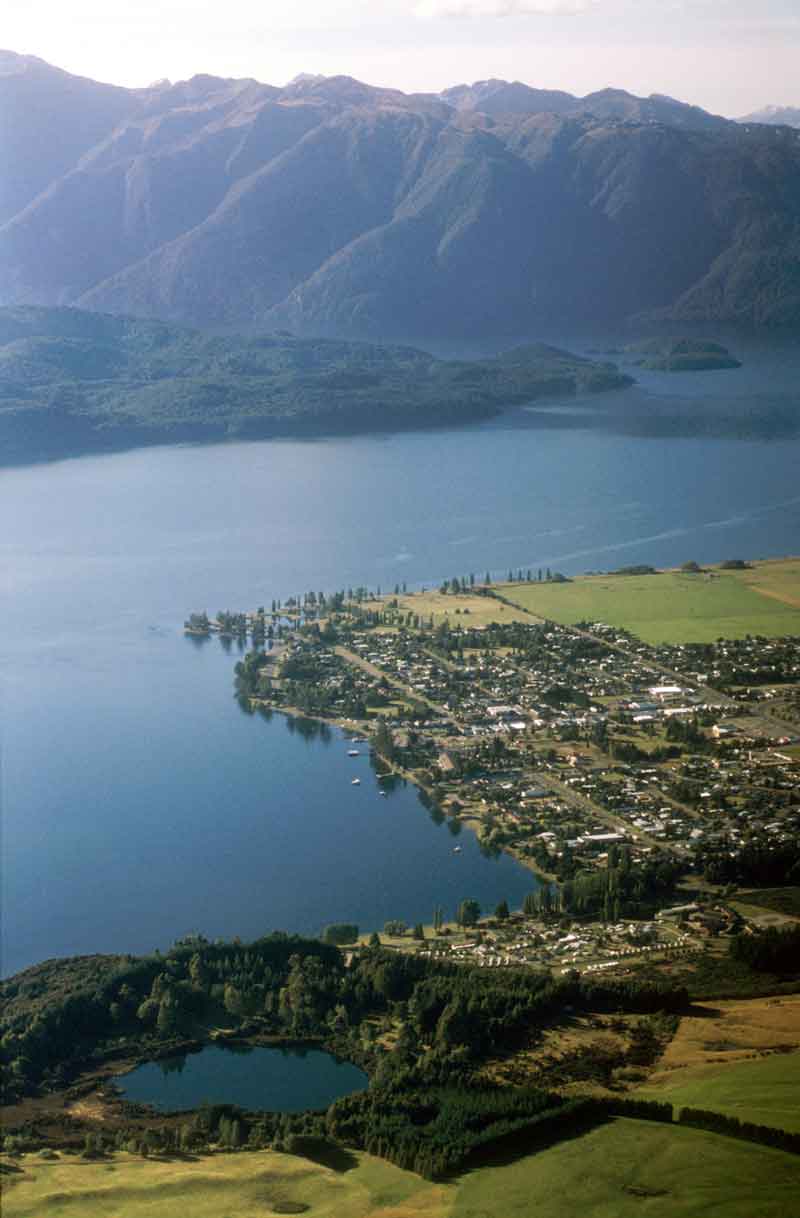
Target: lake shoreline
(113, 441)
(472, 823)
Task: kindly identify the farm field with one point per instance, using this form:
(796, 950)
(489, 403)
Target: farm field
(634, 1168)
(764, 1090)
(675, 606)
(617, 1170)
(741, 1058)
(463, 610)
(218, 1186)
(775, 577)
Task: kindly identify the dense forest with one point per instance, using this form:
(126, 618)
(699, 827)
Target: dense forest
(422, 1029)
(72, 381)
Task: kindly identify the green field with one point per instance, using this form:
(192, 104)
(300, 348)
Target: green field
(675, 607)
(636, 1168)
(765, 1090)
(625, 1168)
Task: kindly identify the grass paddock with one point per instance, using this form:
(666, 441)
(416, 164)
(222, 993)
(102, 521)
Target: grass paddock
(624, 1168)
(637, 1168)
(216, 1186)
(740, 1058)
(674, 606)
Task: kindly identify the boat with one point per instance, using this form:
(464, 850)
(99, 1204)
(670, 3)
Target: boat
(383, 793)
(352, 753)
(355, 782)
(456, 850)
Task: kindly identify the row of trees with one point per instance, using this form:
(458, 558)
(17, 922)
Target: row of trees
(434, 1131)
(748, 1131)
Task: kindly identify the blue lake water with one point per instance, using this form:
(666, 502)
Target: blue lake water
(273, 1080)
(139, 803)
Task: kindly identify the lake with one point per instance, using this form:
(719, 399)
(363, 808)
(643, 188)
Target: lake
(289, 1079)
(139, 803)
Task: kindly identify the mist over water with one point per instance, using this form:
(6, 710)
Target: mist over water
(139, 803)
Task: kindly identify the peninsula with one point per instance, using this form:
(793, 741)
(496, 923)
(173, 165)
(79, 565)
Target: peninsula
(73, 382)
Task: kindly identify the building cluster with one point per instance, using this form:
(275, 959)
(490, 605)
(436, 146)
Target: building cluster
(566, 746)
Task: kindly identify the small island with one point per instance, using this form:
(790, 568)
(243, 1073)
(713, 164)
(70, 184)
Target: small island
(681, 355)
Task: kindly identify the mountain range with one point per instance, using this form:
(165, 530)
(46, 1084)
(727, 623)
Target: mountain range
(332, 207)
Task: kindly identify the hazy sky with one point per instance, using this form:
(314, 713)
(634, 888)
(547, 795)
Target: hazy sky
(730, 56)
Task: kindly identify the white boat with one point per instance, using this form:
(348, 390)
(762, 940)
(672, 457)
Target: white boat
(456, 850)
(352, 753)
(355, 782)
(383, 793)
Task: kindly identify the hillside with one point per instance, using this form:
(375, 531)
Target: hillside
(72, 381)
(330, 206)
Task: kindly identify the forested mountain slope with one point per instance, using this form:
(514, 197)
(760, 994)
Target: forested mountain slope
(331, 206)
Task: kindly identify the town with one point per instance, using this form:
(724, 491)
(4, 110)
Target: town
(643, 784)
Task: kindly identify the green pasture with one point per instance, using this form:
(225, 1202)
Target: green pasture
(765, 1090)
(673, 606)
(776, 577)
(619, 1170)
(637, 1168)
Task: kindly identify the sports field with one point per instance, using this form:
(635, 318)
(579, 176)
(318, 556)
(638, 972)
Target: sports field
(674, 606)
(622, 1169)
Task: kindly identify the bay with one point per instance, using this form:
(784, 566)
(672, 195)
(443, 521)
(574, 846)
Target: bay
(139, 803)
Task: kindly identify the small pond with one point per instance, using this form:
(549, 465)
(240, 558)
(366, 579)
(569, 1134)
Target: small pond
(285, 1079)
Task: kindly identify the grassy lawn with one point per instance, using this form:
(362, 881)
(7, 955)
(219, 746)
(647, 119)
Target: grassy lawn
(219, 1186)
(637, 1168)
(675, 607)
